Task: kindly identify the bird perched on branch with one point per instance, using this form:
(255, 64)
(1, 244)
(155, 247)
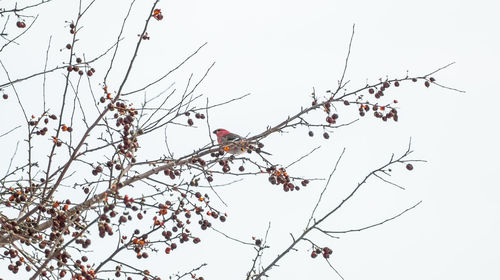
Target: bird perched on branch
(235, 144)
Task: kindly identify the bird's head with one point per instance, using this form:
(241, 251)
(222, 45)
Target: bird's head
(220, 132)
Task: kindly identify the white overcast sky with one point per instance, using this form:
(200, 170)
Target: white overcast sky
(278, 51)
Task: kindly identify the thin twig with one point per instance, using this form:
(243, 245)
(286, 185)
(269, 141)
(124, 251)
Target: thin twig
(232, 238)
(376, 224)
(324, 188)
(302, 157)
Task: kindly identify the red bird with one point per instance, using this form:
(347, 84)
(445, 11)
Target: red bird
(226, 137)
(239, 143)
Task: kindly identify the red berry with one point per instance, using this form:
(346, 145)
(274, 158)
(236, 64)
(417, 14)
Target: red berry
(78, 60)
(21, 24)
(409, 166)
(414, 79)
(427, 84)
(5, 96)
(90, 73)
(68, 46)
(432, 80)
(311, 133)
(326, 135)
(396, 84)
(190, 122)
(242, 168)
(371, 91)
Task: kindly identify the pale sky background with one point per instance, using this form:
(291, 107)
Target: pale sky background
(278, 51)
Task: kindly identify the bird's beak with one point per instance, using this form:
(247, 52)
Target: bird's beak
(214, 132)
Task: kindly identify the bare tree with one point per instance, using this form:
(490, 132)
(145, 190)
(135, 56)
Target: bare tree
(78, 174)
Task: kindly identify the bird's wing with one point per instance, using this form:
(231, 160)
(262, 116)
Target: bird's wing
(232, 137)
